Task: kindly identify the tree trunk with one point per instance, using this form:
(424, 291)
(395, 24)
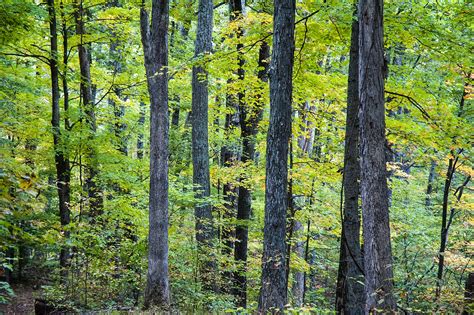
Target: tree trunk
(94, 191)
(469, 295)
(155, 46)
(445, 220)
(273, 292)
(61, 160)
(373, 184)
(141, 124)
(229, 154)
(350, 293)
(297, 289)
(205, 231)
(429, 188)
(249, 120)
(119, 110)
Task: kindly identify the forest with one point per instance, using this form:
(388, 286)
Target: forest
(240, 157)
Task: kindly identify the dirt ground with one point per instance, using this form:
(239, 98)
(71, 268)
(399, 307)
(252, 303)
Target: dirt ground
(22, 303)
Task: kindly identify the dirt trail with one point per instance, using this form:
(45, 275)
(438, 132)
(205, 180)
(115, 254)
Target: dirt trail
(22, 303)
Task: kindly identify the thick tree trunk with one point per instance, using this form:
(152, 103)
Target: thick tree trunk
(155, 46)
(205, 231)
(469, 295)
(373, 184)
(350, 293)
(273, 292)
(249, 120)
(61, 160)
(94, 191)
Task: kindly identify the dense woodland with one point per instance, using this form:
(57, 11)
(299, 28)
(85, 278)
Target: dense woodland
(205, 156)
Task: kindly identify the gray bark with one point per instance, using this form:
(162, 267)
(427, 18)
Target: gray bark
(297, 289)
(350, 293)
(273, 294)
(373, 184)
(155, 46)
(205, 231)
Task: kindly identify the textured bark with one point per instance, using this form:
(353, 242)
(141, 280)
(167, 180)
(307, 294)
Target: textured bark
(155, 46)
(297, 289)
(350, 293)
(273, 292)
(205, 231)
(61, 160)
(469, 295)
(93, 190)
(373, 184)
(249, 120)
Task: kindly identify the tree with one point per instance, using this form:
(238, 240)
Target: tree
(446, 220)
(249, 120)
(88, 103)
(61, 160)
(205, 232)
(229, 154)
(373, 183)
(155, 47)
(273, 293)
(350, 293)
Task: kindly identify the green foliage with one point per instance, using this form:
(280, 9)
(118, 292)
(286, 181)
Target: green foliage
(428, 49)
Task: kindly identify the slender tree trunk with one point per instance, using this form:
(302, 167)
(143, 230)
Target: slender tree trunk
(155, 46)
(61, 160)
(350, 293)
(229, 154)
(446, 220)
(429, 188)
(119, 110)
(249, 120)
(373, 184)
(64, 30)
(176, 110)
(93, 189)
(141, 124)
(444, 223)
(297, 289)
(273, 292)
(205, 231)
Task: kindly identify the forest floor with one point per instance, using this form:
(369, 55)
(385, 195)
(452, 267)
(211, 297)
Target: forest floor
(23, 302)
